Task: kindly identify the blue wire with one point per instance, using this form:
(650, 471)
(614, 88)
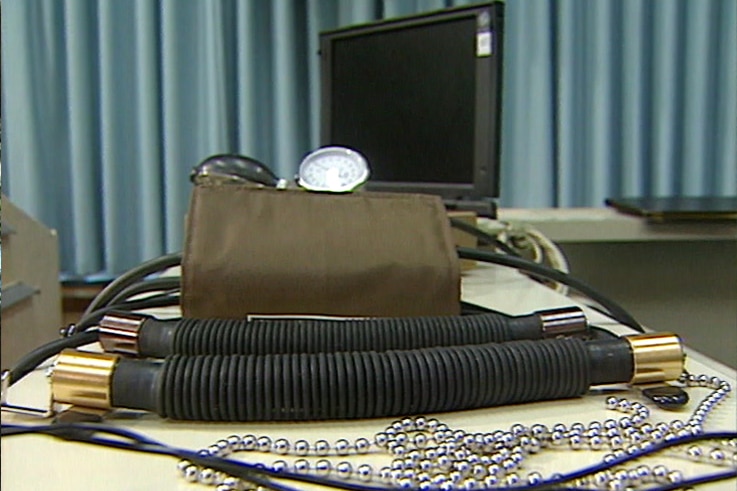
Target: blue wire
(86, 433)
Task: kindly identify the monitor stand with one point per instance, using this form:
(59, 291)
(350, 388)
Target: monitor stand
(484, 207)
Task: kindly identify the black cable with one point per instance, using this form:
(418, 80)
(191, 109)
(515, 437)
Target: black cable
(31, 360)
(101, 303)
(485, 237)
(658, 447)
(146, 286)
(131, 276)
(514, 261)
(81, 336)
(614, 309)
(489, 239)
(132, 441)
(165, 299)
(259, 474)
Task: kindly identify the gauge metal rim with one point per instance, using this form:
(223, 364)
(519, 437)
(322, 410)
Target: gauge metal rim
(334, 149)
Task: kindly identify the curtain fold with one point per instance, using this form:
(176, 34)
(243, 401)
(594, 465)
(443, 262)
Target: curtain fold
(724, 131)
(528, 173)
(641, 100)
(108, 105)
(635, 89)
(130, 134)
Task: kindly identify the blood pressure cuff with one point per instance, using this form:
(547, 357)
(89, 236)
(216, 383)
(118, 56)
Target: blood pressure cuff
(255, 250)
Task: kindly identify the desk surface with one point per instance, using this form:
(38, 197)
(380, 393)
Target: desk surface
(608, 225)
(36, 462)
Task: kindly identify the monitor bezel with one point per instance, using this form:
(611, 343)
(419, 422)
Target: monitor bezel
(487, 119)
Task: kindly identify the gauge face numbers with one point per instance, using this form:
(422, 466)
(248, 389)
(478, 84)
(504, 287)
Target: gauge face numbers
(333, 169)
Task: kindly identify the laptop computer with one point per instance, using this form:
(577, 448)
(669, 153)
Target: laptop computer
(677, 208)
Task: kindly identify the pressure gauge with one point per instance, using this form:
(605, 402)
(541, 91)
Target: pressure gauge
(333, 169)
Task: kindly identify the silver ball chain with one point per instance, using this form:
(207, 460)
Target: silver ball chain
(428, 454)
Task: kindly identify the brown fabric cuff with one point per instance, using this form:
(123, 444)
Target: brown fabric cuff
(263, 251)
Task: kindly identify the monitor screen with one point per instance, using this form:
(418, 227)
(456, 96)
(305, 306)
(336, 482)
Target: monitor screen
(419, 97)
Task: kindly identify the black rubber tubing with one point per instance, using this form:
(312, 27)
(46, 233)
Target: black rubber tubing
(161, 338)
(344, 385)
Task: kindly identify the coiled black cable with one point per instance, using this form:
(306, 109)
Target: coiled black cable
(102, 303)
(298, 387)
(132, 276)
(613, 309)
(80, 335)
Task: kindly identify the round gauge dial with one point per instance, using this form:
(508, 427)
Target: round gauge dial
(333, 169)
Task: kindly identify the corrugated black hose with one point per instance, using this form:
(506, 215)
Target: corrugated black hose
(148, 336)
(318, 386)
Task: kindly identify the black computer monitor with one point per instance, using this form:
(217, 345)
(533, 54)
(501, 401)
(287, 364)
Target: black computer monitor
(420, 97)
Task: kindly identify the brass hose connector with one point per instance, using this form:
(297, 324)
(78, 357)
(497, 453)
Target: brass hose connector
(83, 379)
(657, 357)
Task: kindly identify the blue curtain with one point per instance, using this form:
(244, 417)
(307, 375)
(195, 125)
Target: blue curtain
(611, 98)
(107, 105)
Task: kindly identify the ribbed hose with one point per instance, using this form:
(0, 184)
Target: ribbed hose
(360, 384)
(320, 336)
(271, 336)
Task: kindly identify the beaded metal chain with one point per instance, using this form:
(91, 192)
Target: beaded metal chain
(427, 454)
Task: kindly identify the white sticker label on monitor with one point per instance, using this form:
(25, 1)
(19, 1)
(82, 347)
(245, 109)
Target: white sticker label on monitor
(483, 43)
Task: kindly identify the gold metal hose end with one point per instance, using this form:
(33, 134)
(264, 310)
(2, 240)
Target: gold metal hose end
(119, 332)
(657, 357)
(83, 379)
